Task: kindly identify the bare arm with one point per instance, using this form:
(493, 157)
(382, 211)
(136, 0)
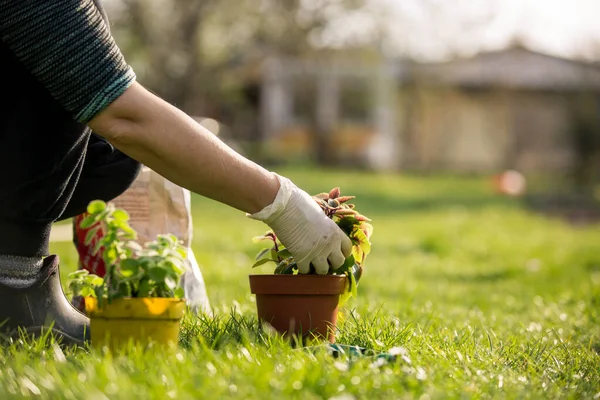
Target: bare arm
(81, 67)
(165, 139)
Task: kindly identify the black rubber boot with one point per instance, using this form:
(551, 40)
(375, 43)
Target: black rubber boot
(41, 306)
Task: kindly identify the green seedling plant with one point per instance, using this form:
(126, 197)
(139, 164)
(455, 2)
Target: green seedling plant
(344, 214)
(132, 270)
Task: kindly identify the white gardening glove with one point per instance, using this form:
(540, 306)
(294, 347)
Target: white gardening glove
(305, 230)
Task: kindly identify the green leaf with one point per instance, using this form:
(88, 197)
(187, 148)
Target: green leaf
(144, 289)
(157, 274)
(87, 222)
(347, 265)
(353, 286)
(97, 247)
(179, 293)
(289, 269)
(172, 269)
(357, 253)
(126, 274)
(170, 283)
(261, 262)
(282, 266)
(262, 253)
(344, 297)
(110, 255)
(78, 274)
(347, 223)
(367, 229)
(100, 292)
(286, 267)
(356, 271)
(96, 207)
(133, 246)
(172, 238)
(97, 281)
(285, 253)
(124, 289)
(125, 228)
(182, 252)
(364, 241)
(91, 234)
(75, 288)
(88, 292)
(175, 264)
(147, 262)
(130, 265)
(161, 291)
(120, 215)
(267, 236)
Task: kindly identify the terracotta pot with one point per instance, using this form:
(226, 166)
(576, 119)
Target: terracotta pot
(299, 305)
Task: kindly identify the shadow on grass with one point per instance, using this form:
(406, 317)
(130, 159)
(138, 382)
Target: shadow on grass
(475, 277)
(575, 208)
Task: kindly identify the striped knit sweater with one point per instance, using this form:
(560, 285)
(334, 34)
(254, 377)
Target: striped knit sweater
(60, 68)
(66, 45)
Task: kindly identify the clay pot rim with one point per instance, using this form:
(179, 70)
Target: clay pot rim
(298, 284)
(142, 308)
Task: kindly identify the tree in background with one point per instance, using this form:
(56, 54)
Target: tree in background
(191, 52)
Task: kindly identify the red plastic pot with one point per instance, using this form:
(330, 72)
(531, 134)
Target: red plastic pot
(299, 305)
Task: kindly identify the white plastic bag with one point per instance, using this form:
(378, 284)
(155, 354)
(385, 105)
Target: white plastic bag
(156, 206)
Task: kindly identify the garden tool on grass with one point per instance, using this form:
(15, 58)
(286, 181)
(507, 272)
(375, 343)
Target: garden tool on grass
(351, 353)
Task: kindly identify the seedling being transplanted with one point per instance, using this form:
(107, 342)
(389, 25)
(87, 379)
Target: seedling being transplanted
(344, 214)
(305, 306)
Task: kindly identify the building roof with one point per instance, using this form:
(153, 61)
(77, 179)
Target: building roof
(516, 68)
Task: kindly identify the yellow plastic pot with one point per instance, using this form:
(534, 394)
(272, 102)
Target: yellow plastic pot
(139, 320)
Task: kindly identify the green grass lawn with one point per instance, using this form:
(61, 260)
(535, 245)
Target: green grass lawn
(479, 296)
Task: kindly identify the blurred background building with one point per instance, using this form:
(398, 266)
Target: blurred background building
(513, 108)
(419, 85)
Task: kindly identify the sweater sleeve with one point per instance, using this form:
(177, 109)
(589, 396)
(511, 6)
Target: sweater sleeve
(67, 47)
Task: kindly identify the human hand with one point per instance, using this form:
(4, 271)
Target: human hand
(300, 224)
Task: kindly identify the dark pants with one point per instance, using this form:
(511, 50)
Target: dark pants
(28, 210)
(106, 173)
(51, 166)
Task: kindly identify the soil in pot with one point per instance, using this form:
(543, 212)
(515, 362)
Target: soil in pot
(139, 320)
(299, 305)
